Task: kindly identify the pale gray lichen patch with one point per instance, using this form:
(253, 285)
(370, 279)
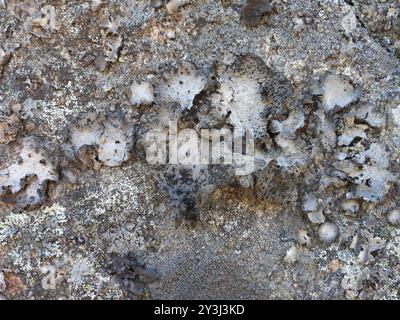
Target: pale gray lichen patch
(110, 25)
(337, 92)
(239, 99)
(310, 202)
(81, 267)
(244, 224)
(293, 149)
(112, 52)
(107, 141)
(370, 244)
(369, 114)
(42, 21)
(349, 135)
(25, 181)
(142, 93)
(180, 86)
(372, 178)
(372, 183)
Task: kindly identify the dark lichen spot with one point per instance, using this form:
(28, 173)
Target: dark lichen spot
(253, 11)
(130, 274)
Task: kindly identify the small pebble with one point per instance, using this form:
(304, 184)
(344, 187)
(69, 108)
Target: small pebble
(275, 127)
(170, 34)
(291, 255)
(394, 217)
(328, 233)
(174, 5)
(156, 4)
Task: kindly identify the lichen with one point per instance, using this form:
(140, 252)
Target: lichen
(336, 92)
(141, 93)
(180, 86)
(25, 182)
(98, 140)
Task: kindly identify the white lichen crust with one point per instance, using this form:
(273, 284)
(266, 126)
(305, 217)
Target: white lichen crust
(181, 86)
(103, 141)
(142, 93)
(24, 182)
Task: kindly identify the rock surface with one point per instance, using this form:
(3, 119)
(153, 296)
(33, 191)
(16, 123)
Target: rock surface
(84, 215)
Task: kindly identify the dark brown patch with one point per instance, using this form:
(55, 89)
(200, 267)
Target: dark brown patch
(253, 11)
(4, 62)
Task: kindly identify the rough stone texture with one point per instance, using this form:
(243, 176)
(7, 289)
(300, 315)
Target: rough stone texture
(86, 217)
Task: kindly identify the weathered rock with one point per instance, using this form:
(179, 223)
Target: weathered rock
(86, 214)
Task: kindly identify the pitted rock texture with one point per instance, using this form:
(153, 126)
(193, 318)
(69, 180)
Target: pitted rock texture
(84, 215)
